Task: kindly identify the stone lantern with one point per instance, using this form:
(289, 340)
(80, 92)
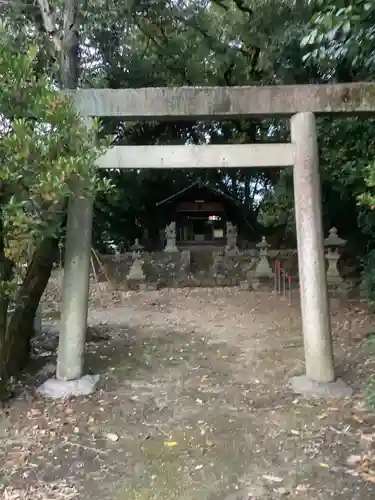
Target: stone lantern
(136, 249)
(136, 270)
(263, 268)
(333, 244)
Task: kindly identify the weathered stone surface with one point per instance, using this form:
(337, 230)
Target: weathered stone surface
(170, 236)
(231, 248)
(198, 156)
(333, 244)
(189, 268)
(309, 388)
(316, 324)
(76, 285)
(225, 102)
(136, 271)
(163, 269)
(263, 268)
(62, 389)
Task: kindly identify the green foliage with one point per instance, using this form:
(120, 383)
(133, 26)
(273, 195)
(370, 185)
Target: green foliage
(342, 33)
(370, 392)
(47, 153)
(368, 281)
(45, 148)
(368, 197)
(216, 43)
(277, 208)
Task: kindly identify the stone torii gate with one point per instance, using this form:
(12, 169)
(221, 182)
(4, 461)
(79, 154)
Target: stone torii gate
(300, 103)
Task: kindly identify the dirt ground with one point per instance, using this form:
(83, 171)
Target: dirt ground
(194, 404)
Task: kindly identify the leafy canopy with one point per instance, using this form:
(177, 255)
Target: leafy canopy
(45, 148)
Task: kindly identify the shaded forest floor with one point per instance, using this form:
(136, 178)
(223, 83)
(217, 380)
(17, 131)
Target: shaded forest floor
(193, 403)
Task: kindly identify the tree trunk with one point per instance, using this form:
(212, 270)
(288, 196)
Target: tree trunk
(247, 192)
(6, 269)
(69, 66)
(233, 177)
(21, 324)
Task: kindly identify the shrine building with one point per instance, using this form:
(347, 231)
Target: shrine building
(201, 213)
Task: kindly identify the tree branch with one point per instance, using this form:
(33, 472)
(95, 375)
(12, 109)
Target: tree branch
(50, 23)
(70, 46)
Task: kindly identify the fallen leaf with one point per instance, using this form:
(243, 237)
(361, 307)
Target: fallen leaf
(170, 444)
(33, 412)
(301, 488)
(272, 479)
(352, 472)
(369, 478)
(353, 460)
(281, 491)
(358, 419)
(367, 438)
(325, 466)
(112, 437)
(209, 443)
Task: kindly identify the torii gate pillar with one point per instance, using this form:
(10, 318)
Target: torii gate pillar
(316, 325)
(75, 289)
(311, 261)
(70, 380)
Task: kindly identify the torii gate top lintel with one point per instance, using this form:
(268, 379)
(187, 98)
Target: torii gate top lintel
(167, 103)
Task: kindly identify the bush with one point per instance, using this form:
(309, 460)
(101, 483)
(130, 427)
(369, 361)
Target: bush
(368, 278)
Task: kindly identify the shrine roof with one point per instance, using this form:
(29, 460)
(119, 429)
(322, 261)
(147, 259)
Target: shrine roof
(201, 190)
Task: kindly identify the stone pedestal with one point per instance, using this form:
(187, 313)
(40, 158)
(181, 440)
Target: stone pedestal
(311, 389)
(136, 271)
(333, 275)
(170, 236)
(63, 389)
